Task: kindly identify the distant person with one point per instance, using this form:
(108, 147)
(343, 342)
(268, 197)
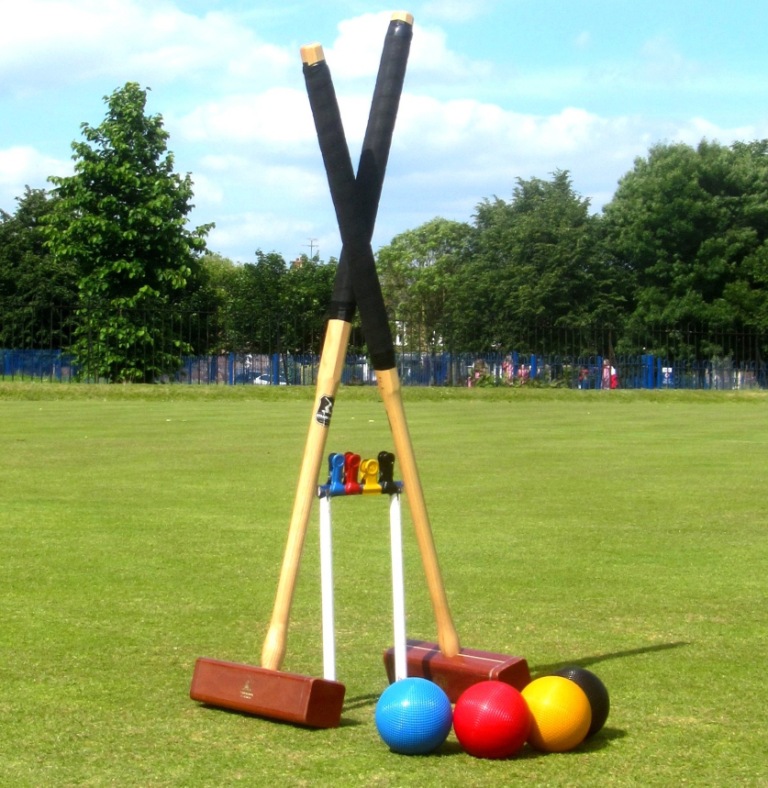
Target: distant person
(610, 378)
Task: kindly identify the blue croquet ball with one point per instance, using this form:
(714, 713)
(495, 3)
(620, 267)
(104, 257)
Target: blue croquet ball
(413, 716)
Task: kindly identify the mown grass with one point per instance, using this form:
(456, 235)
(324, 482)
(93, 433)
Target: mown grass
(142, 527)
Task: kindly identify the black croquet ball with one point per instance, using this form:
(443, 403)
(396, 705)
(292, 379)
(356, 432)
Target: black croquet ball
(595, 691)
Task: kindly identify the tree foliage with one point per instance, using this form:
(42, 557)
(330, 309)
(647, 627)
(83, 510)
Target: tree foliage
(522, 263)
(690, 226)
(683, 242)
(536, 260)
(306, 293)
(275, 308)
(417, 272)
(121, 222)
(36, 292)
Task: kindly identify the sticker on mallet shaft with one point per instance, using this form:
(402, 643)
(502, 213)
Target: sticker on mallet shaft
(324, 411)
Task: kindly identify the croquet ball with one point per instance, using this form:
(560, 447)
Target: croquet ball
(491, 720)
(596, 693)
(560, 713)
(413, 716)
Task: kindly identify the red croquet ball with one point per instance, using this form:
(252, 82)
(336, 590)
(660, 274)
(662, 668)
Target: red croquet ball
(491, 720)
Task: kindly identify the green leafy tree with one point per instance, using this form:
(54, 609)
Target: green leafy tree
(256, 318)
(305, 295)
(417, 271)
(535, 263)
(689, 226)
(206, 305)
(121, 219)
(269, 307)
(37, 293)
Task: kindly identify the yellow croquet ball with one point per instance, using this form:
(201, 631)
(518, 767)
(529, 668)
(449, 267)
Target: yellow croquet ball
(560, 713)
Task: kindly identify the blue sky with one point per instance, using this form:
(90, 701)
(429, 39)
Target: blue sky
(496, 90)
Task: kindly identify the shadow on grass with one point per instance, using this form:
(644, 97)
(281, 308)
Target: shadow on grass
(602, 739)
(585, 662)
(361, 701)
(445, 750)
(207, 707)
(599, 741)
(358, 702)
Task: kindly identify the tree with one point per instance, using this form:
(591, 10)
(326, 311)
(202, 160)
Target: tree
(534, 263)
(267, 306)
(121, 220)
(256, 318)
(522, 265)
(37, 293)
(205, 306)
(417, 274)
(306, 293)
(690, 227)
(275, 308)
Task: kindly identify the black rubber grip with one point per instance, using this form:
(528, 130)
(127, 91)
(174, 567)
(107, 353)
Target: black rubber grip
(356, 200)
(353, 226)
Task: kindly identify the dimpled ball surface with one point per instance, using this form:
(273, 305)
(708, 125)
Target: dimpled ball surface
(413, 716)
(491, 720)
(560, 713)
(596, 692)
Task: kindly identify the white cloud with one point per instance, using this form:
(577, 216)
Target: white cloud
(67, 41)
(476, 131)
(239, 235)
(22, 166)
(208, 191)
(696, 129)
(431, 54)
(20, 161)
(223, 162)
(356, 52)
(279, 118)
(447, 156)
(463, 133)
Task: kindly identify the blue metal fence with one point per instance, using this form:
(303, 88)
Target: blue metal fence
(36, 365)
(428, 369)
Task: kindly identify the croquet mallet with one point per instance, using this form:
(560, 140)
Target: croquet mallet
(266, 690)
(446, 662)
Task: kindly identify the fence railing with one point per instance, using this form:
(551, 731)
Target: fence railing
(645, 371)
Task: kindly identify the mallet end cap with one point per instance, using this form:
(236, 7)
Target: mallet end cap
(402, 16)
(312, 53)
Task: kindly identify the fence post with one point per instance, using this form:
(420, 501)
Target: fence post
(648, 378)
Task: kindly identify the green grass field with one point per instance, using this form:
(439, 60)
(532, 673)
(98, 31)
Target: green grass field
(143, 527)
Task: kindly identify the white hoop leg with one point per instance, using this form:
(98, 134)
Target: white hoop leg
(326, 589)
(398, 586)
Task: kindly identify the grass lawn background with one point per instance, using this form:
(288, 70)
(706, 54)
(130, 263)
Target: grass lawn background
(142, 527)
